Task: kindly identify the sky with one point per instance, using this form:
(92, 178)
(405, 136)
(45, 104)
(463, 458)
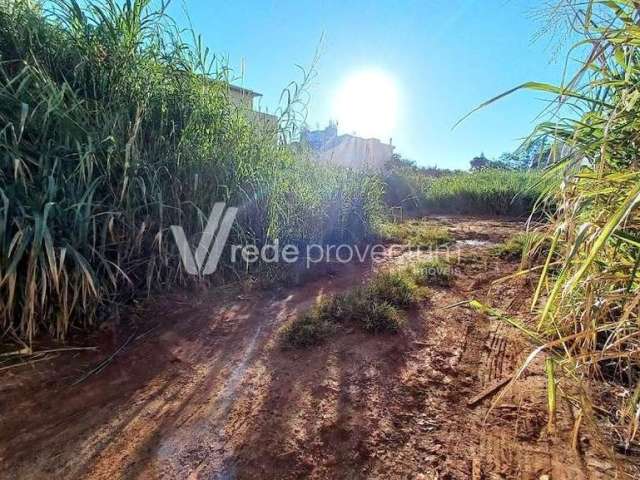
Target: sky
(443, 57)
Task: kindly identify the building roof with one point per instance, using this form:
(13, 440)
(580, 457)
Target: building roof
(244, 91)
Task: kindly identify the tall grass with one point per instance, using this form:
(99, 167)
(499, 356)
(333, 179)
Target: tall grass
(113, 128)
(488, 192)
(421, 191)
(588, 294)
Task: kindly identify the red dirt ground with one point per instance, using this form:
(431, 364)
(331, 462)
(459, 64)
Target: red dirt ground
(202, 389)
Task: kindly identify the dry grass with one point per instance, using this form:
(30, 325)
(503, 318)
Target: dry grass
(588, 295)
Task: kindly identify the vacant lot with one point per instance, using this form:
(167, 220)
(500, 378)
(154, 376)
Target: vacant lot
(197, 385)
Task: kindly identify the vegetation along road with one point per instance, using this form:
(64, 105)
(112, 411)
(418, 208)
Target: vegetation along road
(497, 336)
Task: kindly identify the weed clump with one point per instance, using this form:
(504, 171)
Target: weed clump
(395, 288)
(310, 328)
(520, 244)
(416, 234)
(382, 317)
(376, 307)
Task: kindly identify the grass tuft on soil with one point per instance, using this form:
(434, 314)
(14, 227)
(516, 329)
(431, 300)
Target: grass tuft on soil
(433, 272)
(397, 288)
(520, 244)
(416, 234)
(309, 328)
(376, 307)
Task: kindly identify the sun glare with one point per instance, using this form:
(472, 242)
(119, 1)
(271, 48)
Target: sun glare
(366, 103)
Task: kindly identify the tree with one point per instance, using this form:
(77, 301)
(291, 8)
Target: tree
(479, 163)
(398, 162)
(532, 154)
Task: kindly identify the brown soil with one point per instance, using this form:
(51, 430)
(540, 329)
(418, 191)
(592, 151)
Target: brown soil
(199, 387)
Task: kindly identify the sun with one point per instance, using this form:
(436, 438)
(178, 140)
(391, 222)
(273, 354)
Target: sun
(366, 103)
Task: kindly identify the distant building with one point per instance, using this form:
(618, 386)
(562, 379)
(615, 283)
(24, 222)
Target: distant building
(243, 98)
(347, 150)
(319, 140)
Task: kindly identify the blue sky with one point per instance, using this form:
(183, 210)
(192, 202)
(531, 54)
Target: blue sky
(445, 56)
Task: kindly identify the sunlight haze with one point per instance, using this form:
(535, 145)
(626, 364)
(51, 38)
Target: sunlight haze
(366, 103)
(448, 57)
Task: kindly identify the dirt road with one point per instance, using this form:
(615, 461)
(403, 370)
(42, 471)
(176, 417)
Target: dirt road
(201, 389)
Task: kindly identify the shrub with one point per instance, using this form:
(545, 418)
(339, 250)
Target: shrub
(496, 191)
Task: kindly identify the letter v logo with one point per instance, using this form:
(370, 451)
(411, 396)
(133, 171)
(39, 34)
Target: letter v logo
(193, 262)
